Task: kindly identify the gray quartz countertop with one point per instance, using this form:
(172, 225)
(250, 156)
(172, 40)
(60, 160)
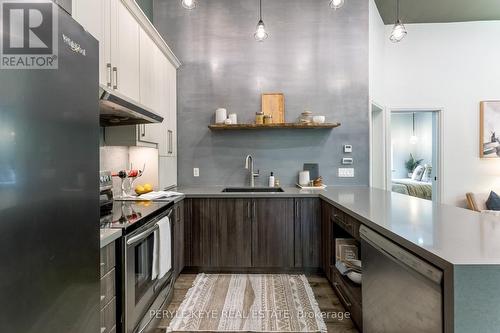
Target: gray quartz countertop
(442, 234)
(216, 192)
(109, 235)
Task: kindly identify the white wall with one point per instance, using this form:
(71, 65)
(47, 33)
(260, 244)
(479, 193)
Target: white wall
(453, 66)
(376, 53)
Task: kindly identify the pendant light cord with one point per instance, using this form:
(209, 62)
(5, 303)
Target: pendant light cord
(260, 10)
(397, 10)
(413, 123)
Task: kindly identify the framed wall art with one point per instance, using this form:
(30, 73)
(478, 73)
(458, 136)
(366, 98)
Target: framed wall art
(489, 132)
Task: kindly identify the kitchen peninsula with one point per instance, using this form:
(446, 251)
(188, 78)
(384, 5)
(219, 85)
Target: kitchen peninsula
(460, 244)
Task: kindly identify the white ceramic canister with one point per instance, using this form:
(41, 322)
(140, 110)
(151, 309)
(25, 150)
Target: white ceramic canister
(233, 117)
(304, 178)
(220, 115)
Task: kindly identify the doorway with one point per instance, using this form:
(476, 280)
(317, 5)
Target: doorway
(415, 153)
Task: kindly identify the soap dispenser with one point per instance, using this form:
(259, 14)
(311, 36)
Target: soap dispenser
(271, 180)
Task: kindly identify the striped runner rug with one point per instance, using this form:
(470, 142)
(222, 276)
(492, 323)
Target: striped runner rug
(249, 303)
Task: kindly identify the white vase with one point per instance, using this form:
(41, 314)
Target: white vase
(220, 116)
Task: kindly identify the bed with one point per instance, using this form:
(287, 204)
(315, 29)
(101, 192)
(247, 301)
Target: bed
(413, 188)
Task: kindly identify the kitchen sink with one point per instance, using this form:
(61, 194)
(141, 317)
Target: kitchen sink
(253, 189)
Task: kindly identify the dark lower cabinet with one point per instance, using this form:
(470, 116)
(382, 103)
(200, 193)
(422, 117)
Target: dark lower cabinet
(178, 238)
(308, 233)
(201, 216)
(231, 234)
(273, 233)
(267, 235)
(239, 233)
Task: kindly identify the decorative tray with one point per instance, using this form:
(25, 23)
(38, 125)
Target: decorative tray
(322, 187)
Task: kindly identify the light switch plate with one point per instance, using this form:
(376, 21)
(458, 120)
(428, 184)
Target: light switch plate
(346, 172)
(347, 148)
(196, 172)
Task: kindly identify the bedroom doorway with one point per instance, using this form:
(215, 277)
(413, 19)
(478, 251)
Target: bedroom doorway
(414, 155)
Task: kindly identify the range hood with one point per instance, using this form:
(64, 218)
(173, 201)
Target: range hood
(117, 110)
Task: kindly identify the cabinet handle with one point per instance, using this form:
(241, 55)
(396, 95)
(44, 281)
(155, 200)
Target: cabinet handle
(115, 72)
(170, 144)
(249, 214)
(108, 75)
(347, 303)
(296, 208)
(143, 130)
(253, 209)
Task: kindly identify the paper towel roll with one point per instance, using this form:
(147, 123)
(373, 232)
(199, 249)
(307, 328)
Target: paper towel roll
(304, 178)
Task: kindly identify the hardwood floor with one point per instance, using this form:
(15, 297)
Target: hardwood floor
(327, 301)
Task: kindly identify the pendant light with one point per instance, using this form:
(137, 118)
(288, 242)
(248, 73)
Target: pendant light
(413, 138)
(336, 4)
(260, 34)
(188, 4)
(398, 31)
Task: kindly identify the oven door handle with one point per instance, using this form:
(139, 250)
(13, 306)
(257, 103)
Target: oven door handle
(147, 232)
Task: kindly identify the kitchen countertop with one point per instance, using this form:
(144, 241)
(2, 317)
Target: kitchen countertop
(463, 243)
(130, 215)
(442, 234)
(109, 235)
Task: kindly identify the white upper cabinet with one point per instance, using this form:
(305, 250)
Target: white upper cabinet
(136, 62)
(172, 109)
(124, 51)
(147, 70)
(117, 31)
(98, 24)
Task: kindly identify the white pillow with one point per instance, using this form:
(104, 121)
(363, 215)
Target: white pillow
(426, 176)
(417, 173)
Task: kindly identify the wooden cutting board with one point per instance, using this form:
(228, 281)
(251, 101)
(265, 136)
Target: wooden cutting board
(274, 104)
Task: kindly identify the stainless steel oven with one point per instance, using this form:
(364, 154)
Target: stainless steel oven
(143, 294)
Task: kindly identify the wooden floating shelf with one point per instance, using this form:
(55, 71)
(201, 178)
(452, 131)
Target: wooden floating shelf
(223, 127)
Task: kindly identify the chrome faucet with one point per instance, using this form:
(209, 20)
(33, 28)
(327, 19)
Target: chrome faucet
(249, 166)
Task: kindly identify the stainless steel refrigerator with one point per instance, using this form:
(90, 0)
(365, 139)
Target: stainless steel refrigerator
(49, 190)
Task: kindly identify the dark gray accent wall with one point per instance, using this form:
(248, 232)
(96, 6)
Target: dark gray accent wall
(317, 56)
(439, 11)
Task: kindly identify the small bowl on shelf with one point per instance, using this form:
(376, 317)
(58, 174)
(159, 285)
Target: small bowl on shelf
(319, 119)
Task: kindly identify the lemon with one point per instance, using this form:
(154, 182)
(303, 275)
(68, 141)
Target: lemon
(139, 189)
(148, 187)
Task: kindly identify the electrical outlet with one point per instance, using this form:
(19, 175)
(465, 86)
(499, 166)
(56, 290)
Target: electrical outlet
(346, 172)
(347, 160)
(347, 149)
(196, 172)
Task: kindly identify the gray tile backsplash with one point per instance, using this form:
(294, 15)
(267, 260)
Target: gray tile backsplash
(316, 56)
(115, 158)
